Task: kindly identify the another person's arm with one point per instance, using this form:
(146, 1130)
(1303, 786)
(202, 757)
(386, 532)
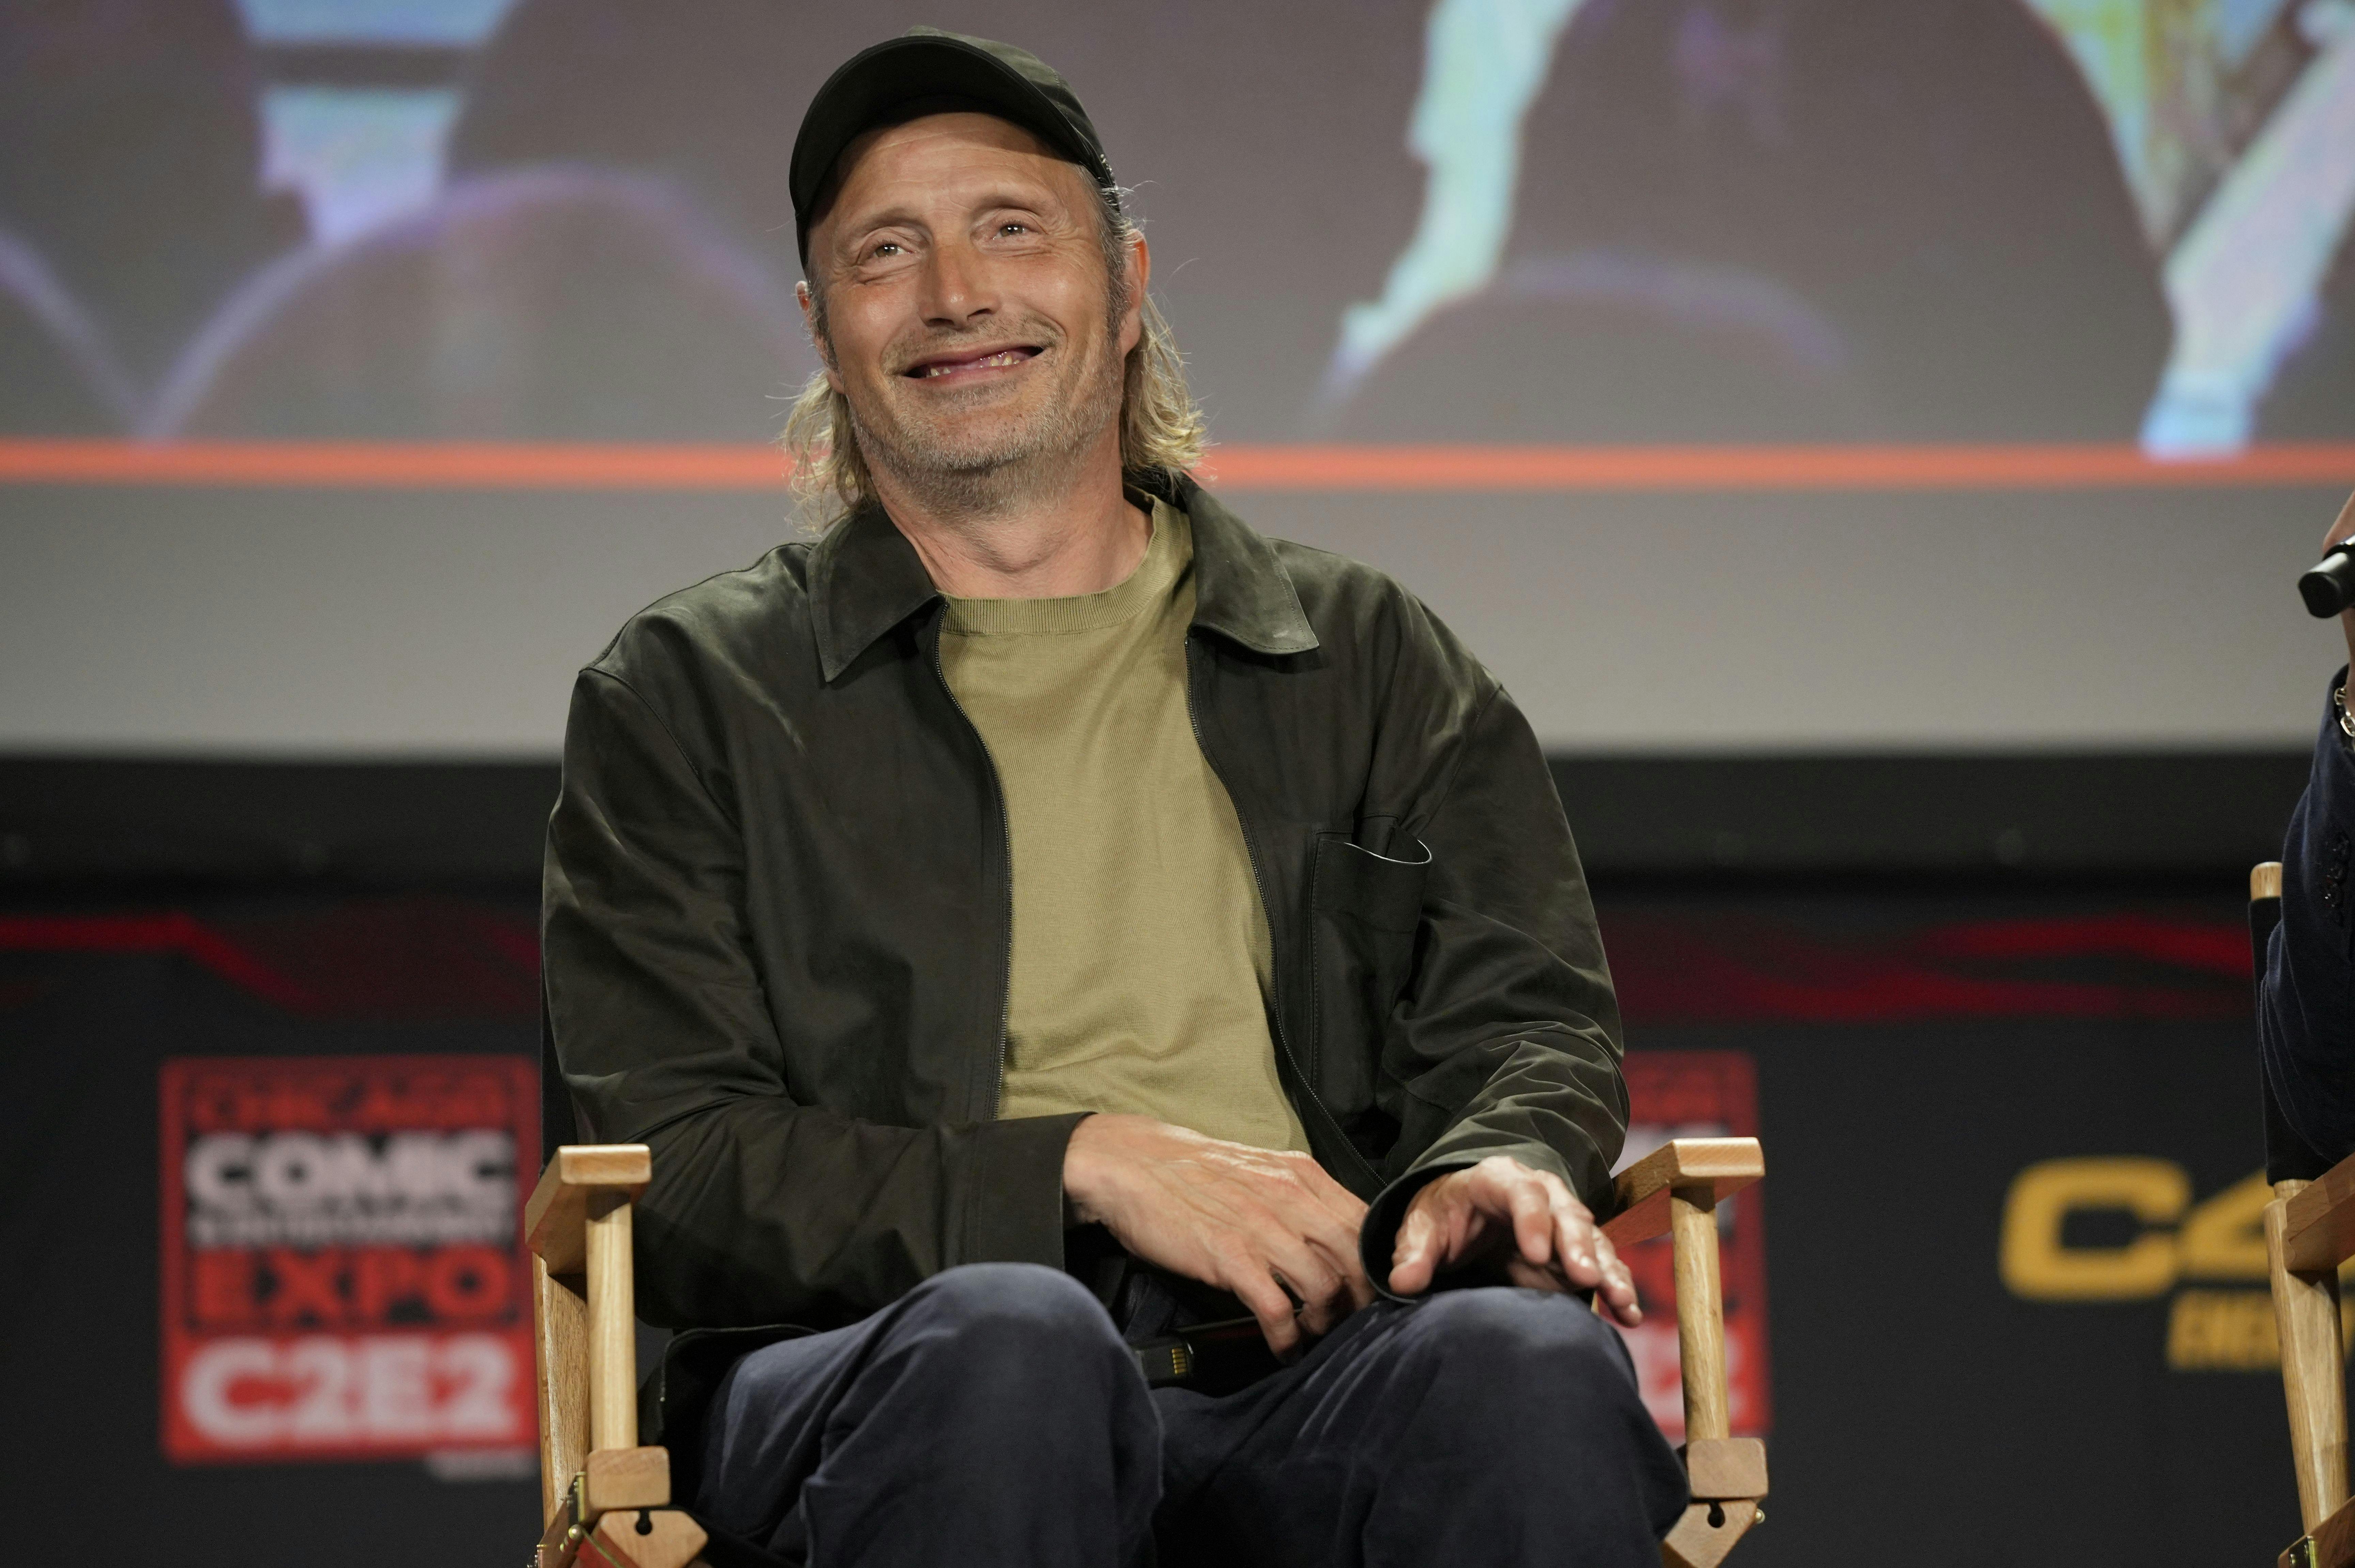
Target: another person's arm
(2306, 1003)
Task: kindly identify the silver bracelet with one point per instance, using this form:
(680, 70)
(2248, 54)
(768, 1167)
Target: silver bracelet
(2339, 706)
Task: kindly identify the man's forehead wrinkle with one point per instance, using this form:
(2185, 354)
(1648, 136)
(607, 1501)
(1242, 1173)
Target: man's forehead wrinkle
(978, 133)
(979, 137)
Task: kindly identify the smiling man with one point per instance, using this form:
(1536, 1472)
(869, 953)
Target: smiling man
(1121, 987)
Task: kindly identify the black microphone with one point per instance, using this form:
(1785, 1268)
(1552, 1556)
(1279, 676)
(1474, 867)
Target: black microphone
(2329, 586)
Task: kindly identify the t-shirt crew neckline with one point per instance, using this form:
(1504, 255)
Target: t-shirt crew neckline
(1167, 554)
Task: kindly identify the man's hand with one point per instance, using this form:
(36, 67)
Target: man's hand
(1270, 1227)
(1501, 1211)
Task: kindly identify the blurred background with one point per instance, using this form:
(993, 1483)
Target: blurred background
(1875, 444)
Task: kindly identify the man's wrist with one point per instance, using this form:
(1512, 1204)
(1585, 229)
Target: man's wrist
(1378, 1231)
(1076, 1209)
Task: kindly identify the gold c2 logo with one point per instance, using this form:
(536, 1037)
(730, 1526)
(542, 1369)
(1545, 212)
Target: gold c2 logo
(2168, 1239)
(2222, 1237)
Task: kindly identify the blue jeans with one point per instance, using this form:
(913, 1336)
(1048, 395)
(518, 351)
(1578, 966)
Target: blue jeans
(994, 1417)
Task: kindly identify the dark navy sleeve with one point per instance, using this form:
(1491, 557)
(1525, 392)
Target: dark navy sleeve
(2306, 999)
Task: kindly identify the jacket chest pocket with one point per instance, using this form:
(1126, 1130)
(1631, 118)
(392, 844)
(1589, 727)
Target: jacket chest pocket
(1365, 908)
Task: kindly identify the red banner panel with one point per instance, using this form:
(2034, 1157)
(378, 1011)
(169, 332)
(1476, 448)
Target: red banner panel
(1699, 1094)
(344, 1271)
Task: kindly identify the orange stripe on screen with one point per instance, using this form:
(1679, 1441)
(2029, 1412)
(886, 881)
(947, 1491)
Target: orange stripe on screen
(501, 465)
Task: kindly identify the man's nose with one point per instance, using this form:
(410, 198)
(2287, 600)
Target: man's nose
(958, 288)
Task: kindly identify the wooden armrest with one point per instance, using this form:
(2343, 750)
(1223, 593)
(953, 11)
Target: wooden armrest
(1724, 1165)
(578, 1222)
(2306, 1324)
(2319, 1231)
(555, 1221)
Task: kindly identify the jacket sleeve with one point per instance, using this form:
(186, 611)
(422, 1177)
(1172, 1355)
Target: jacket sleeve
(2306, 999)
(761, 1210)
(1509, 1039)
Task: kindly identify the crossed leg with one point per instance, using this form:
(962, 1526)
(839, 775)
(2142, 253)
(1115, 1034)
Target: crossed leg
(989, 1417)
(1489, 1428)
(993, 1416)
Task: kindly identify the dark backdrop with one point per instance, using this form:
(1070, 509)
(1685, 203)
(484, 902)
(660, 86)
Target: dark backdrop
(1920, 1036)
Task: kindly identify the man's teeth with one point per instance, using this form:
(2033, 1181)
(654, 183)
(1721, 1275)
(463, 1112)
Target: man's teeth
(1011, 357)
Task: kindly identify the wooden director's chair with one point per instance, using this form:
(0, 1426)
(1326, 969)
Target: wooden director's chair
(606, 1502)
(1676, 1189)
(2309, 1232)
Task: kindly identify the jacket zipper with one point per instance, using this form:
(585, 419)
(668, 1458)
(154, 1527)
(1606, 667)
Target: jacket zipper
(1006, 840)
(1267, 913)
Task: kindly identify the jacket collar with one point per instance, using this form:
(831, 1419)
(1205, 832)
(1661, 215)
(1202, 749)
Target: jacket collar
(866, 578)
(1240, 590)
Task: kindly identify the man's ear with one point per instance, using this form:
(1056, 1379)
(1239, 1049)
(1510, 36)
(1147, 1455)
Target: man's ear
(818, 339)
(1138, 264)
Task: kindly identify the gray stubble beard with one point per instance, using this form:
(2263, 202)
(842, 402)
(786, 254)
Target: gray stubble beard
(993, 478)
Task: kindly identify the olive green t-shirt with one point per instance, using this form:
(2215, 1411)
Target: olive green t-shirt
(1141, 962)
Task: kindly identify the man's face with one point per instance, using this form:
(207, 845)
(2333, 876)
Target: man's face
(966, 313)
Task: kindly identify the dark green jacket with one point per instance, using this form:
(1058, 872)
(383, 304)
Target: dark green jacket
(777, 921)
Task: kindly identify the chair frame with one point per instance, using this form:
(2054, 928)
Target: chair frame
(1676, 1190)
(2309, 1232)
(605, 1499)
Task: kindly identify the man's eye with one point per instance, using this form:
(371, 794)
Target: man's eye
(889, 247)
(1012, 228)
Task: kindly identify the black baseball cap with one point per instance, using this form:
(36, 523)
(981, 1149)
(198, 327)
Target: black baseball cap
(927, 71)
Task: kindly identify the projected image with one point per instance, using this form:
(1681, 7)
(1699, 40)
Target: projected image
(1951, 219)
(1574, 221)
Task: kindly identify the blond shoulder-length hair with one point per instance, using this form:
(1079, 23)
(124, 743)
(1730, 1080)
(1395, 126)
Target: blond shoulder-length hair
(1161, 428)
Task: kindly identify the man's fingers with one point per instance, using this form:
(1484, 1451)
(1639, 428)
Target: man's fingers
(1250, 1282)
(1439, 1227)
(1360, 1284)
(1606, 1273)
(1555, 1244)
(1315, 1188)
(1337, 1244)
(1321, 1307)
(1290, 1283)
(1576, 1241)
(1311, 1278)
(1607, 1267)
(1279, 1324)
(1414, 1256)
(1532, 1216)
(1531, 1276)
(1351, 1287)
(1327, 1217)
(1345, 1207)
(1624, 1312)
(1618, 1287)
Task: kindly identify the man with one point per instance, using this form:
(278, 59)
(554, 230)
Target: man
(1042, 873)
(2305, 1013)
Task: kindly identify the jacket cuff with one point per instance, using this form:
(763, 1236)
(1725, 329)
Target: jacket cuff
(1015, 1212)
(1377, 1235)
